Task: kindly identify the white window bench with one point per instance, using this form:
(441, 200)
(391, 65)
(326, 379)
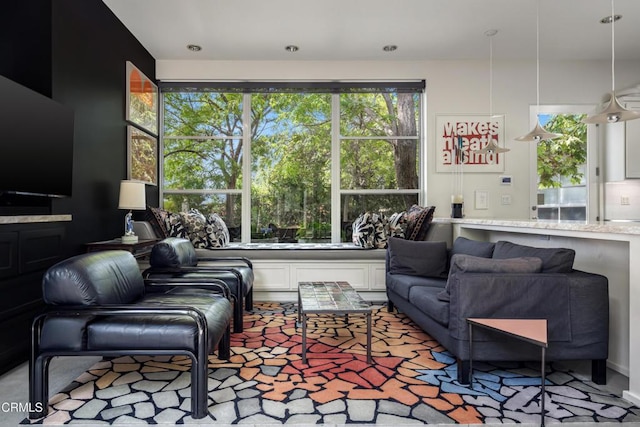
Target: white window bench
(279, 267)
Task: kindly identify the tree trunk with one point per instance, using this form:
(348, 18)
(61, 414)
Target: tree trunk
(405, 150)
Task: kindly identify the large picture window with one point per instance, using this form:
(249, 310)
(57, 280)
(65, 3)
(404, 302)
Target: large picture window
(279, 162)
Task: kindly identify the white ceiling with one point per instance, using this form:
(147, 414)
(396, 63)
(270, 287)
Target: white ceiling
(358, 29)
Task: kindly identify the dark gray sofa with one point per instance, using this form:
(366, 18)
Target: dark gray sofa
(440, 288)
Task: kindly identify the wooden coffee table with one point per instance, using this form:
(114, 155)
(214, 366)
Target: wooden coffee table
(336, 298)
(533, 331)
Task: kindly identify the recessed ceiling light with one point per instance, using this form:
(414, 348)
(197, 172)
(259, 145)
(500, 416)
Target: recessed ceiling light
(291, 48)
(194, 47)
(390, 48)
(610, 19)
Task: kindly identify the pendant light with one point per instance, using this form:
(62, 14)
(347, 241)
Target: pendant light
(492, 146)
(613, 111)
(538, 133)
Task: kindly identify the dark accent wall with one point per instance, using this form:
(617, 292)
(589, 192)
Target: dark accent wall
(75, 51)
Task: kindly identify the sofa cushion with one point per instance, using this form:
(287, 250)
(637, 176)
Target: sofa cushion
(81, 280)
(425, 298)
(461, 263)
(462, 245)
(418, 222)
(427, 259)
(554, 260)
(401, 284)
(162, 331)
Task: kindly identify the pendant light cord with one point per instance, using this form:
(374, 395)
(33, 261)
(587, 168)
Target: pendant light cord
(538, 58)
(613, 49)
(490, 76)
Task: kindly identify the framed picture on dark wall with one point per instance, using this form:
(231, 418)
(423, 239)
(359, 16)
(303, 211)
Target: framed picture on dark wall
(142, 156)
(142, 100)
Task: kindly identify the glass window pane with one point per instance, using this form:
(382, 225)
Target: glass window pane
(291, 166)
(372, 164)
(379, 114)
(202, 164)
(353, 205)
(562, 189)
(202, 114)
(228, 206)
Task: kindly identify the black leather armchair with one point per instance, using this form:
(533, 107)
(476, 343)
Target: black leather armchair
(176, 258)
(98, 303)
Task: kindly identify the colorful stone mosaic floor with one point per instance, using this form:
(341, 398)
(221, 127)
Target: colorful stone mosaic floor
(264, 382)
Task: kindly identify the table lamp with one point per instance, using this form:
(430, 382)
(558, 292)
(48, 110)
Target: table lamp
(132, 196)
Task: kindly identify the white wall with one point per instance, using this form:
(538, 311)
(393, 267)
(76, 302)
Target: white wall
(454, 87)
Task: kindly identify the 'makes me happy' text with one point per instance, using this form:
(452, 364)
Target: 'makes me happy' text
(468, 137)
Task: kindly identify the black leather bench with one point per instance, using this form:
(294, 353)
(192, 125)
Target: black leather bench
(99, 304)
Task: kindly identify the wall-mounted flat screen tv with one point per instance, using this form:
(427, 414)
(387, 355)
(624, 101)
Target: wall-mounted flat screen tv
(36, 143)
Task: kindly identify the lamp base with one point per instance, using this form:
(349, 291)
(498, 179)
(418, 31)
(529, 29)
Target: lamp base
(129, 238)
(457, 210)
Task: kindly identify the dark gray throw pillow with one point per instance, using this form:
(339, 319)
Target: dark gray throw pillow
(417, 258)
(465, 246)
(461, 263)
(554, 260)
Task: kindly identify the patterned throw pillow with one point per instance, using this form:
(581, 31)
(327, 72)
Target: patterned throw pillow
(370, 231)
(195, 224)
(157, 218)
(418, 222)
(363, 231)
(381, 227)
(397, 225)
(216, 231)
(174, 226)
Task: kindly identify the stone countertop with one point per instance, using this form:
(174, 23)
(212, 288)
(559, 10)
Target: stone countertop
(580, 226)
(25, 219)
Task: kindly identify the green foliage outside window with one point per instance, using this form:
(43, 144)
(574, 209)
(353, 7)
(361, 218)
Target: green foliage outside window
(291, 143)
(560, 158)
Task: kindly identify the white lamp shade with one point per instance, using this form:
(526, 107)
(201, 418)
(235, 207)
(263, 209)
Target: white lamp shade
(132, 195)
(612, 112)
(492, 147)
(538, 134)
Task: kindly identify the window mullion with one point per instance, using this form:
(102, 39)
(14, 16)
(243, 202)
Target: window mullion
(335, 169)
(246, 168)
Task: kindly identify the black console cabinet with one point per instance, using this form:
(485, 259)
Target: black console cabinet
(26, 251)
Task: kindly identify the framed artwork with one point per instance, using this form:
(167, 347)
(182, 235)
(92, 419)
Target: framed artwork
(142, 156)
(458, 137)
(142, 100)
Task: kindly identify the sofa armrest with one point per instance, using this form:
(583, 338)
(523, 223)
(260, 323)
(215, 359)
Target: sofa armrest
(511, 295)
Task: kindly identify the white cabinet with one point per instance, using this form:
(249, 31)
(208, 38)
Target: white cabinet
(632, 143)
(281, 276)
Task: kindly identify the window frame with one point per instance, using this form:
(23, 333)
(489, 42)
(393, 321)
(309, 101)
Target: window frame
(336, 138)
(592, 178)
